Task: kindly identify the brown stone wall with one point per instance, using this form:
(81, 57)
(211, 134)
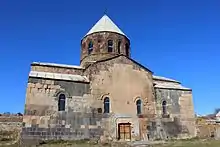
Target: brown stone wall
(42, 120)
(10, 123)
(179, 121)
(54, 69)
(207, 130)
(42, 95)
(123, 82)
(207, 127)
(11, 118)
(187, 113)
(10, 128)
(100, 46)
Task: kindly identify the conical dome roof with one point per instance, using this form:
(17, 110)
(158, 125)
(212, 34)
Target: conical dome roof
(105, 24)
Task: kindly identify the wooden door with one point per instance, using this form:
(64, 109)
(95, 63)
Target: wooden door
(124, 131)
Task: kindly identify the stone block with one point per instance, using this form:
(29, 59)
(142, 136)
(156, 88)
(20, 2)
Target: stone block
(67, 126)
(39, 85)
(47, 91)
(82, 126)
(31, 85)
(48, 82)
(93, 127)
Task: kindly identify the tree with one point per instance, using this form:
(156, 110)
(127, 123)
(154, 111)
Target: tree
(7, 113)
(19, 114)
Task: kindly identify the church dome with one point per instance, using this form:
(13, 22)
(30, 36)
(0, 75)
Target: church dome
(105, 24)
(104, 40)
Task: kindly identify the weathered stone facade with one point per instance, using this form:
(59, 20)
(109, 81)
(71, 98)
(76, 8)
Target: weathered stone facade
(42, 119)
(124, 82)
(180, 119)
(10, 128)
(108, 96)
(100, 46)
(76, 70)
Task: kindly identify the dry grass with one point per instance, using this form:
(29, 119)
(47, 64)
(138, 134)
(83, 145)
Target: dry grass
(191, 143)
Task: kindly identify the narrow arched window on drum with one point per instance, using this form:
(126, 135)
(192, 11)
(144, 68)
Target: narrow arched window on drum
(90, 47)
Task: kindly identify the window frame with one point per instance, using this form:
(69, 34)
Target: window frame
(90, 47)
(110, 46)
(106, 103)
(127, 47)
(164, 107)
(62, 100)
(119, 46)
(139, 107)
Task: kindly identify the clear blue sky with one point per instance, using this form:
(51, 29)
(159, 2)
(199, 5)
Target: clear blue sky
(179, 39)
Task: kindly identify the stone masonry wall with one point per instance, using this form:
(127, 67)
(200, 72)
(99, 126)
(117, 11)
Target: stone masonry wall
(10, 127)
(123, 82)
(43, 121)
(10, 123)
(100, 46)
(179, 121)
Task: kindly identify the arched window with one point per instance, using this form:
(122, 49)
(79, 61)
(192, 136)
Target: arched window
(119, 47)
(90, 47)
(106, 105)
(138, 104)
(127, 49)
(61, 102)
(164, 107)
(110, 45)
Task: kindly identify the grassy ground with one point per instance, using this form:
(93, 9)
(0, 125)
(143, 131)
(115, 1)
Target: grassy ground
(189, 143)
(192, 143)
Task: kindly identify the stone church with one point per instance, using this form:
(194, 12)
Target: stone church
(108, 96)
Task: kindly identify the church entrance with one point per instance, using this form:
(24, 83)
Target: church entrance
(124, 131)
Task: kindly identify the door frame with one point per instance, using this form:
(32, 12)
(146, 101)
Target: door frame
(119, 132)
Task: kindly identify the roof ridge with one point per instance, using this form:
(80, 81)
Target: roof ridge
(57, 65)
(110, 58)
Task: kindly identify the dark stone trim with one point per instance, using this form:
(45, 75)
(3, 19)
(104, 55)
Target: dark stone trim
(58, 80)
(174, 89)
(163, 80)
